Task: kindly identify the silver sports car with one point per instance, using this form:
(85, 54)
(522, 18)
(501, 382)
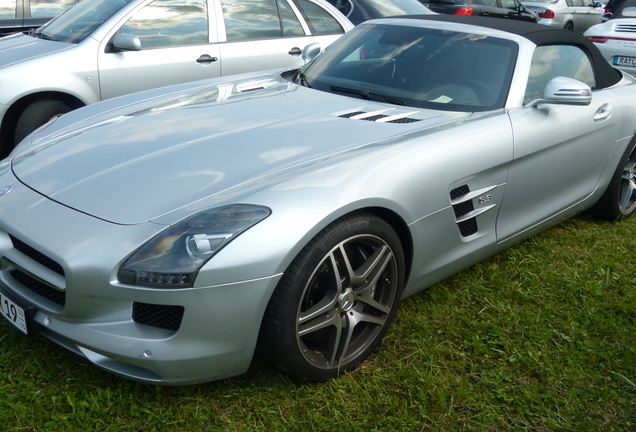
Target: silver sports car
(163, 235)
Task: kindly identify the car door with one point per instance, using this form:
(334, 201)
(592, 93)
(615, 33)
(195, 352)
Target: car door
(275, 39)
(559, 150)
(178, 44)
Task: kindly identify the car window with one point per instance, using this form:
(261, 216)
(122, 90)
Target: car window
(7, 8)
(552, 61)
(629, 12)
(291, 25)
(509, 4)
(169, 23)
(49, 8)
(81, 20)
(427, 68)
(251, 19)
(320, 21)
(492, 3)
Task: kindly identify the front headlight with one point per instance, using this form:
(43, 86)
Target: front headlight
(173, 258)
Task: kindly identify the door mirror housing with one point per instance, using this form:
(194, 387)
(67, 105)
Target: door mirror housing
(124, 42)
(564, 91)
(311, 51)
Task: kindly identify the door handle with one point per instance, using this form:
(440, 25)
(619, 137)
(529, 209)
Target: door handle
(295, 52)
(206, 59)
(603, 113)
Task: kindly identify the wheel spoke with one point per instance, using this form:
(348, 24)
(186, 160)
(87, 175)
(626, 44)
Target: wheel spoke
(326, 303)
(377, 264)
(319, 323)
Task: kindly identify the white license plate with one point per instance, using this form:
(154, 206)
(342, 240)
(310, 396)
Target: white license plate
(13, 313)
(625, 61)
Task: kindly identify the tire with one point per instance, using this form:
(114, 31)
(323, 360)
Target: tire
(38, 113)
(326, 315)
(619, 199)
(569, 26)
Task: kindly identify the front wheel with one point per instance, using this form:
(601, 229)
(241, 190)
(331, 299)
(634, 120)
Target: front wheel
(37, 114)
(336, 300)
(619, 200)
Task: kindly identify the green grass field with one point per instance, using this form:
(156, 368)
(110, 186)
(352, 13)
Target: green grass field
(541, 337)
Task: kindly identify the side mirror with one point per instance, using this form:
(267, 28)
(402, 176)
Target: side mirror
(311, 51)
(564, 91)
(598, 5)
(124, 42)
(522, 8)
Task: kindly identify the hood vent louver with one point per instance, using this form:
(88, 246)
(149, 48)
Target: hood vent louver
(381, 116)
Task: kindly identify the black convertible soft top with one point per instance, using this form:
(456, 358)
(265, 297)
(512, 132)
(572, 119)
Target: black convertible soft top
(539, 34)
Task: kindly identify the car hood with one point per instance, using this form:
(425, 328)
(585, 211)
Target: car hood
(134, 164)
(20, 47)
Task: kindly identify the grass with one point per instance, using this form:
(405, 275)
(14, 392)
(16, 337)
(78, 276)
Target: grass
(541, 337)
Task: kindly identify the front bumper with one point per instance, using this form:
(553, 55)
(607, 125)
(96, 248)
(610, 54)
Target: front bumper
(61, 265)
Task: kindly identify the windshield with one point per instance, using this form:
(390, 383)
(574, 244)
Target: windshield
(77, 23)
(420, 67)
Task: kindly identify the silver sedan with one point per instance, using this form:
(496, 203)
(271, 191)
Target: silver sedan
(100, 49)
(163, 235)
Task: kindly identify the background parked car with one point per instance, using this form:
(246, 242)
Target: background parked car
(510, 9)
(361, 10)
(577, 15)
(23, 15)
(136, 45)
(616, 38)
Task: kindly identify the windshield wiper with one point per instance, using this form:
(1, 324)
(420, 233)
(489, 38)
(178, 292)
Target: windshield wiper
(302, 79)
(366, 94)
(37, 34)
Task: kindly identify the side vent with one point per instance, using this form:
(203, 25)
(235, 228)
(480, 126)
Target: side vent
(467, 227)
(465, 213)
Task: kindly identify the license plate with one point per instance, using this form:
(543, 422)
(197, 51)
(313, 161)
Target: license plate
(625, 61)
(14, 313)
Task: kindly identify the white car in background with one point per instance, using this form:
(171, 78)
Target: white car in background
(616, 38)
(576, 15)
(100, 49)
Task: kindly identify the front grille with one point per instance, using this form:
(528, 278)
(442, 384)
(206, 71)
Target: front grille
(160, 316)
(39, 288)
(36, 256)
(31, 282)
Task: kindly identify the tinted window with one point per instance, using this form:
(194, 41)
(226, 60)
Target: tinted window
(557, 60)
(49, 8)
(167, 23)
(291, 25)
(251, 19)
(81, 20)
(7, 8)
(417, 67)
(320, 22)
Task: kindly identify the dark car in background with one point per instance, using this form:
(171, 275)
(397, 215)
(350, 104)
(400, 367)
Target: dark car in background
(23, 15)
(362, 10)
(510, 9)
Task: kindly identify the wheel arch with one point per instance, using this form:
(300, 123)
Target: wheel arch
(10, 119)
(402, 230)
